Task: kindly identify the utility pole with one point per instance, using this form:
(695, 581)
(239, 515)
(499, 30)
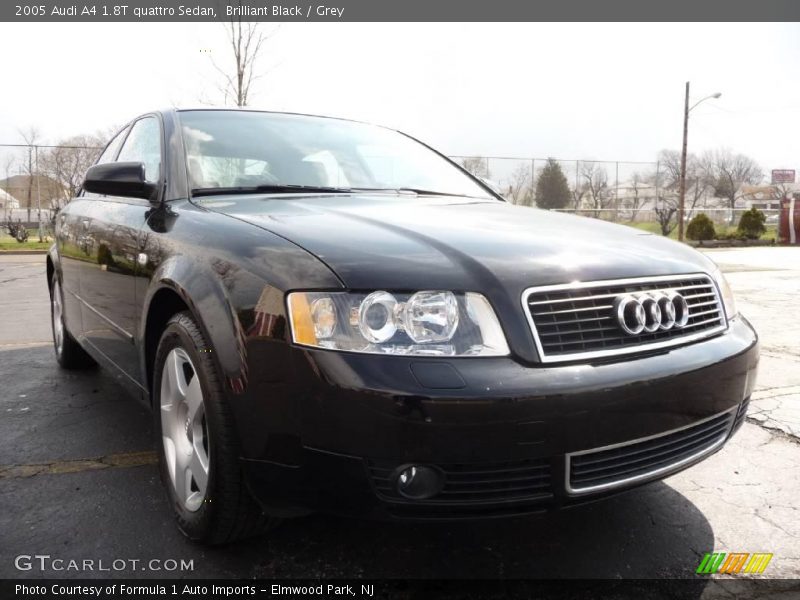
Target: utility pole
(682, 193)
(686, 110)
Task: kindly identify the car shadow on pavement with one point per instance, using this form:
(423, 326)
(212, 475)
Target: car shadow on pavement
(652, 532)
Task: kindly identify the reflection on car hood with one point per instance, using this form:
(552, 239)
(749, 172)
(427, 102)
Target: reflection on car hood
(381, 241)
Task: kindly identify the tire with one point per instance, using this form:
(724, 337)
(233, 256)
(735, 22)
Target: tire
(69, 353)
(198, 448)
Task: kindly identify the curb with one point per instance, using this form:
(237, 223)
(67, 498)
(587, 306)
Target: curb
(21, 252)
(732, 244)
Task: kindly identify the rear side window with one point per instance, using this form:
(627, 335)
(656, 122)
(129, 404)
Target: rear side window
(143, 145)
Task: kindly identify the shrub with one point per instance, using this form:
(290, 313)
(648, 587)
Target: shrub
(752, 224)
(734, 235)
(700, 228)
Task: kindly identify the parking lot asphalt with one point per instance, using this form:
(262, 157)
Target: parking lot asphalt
(78, 480)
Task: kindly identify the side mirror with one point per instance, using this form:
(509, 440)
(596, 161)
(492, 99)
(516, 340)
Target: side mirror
(119, 179)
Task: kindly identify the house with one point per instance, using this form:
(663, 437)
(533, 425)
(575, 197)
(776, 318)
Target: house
(767, 197)
(23, 187)
(7, 201)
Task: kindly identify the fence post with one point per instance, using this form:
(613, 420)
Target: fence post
(658, 178)
(616, 193)
(533, 182)
(38, 193)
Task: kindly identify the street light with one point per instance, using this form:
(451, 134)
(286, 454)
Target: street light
(686, 110)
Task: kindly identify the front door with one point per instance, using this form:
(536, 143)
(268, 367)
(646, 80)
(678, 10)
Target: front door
(113, 226)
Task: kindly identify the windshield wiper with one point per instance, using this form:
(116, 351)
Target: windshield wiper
(269, 189)
(409, 190)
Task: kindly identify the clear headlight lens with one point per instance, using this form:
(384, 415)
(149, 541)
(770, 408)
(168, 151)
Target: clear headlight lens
(431, 317)
(727, 295)
(427, 323)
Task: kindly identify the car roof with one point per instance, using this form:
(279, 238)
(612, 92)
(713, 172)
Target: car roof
(180, 109)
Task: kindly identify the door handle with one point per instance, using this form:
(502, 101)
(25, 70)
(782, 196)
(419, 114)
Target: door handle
(86, 223)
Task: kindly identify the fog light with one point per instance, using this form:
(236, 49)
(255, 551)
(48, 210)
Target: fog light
(418, 482)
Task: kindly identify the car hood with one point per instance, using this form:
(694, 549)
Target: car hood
(408, 243)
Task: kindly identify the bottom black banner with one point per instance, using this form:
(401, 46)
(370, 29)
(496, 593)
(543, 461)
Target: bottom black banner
(222, 589)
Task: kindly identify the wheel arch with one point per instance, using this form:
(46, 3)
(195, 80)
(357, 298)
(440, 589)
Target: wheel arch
(52, 260)
(187, 286)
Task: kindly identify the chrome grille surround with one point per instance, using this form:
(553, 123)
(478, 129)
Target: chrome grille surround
(644, 458)
(575, 321)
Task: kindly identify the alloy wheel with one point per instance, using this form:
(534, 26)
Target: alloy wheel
(58, 317)
(184, 430)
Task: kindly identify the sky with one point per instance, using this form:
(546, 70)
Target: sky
(572, 91)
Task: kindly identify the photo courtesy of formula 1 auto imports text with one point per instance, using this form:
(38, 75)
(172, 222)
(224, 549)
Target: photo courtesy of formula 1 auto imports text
(399, 300)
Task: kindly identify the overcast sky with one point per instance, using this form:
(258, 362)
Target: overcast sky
(589, 91)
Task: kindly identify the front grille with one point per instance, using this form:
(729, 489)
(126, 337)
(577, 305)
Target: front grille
(473, 484)
(577, 321)
(595, 470)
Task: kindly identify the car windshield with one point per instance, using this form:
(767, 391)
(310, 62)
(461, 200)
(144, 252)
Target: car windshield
(229, 150)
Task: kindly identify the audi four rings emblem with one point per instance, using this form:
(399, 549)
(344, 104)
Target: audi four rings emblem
(651, 311)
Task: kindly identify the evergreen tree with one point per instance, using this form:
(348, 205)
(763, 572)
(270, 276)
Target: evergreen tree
(552, 190)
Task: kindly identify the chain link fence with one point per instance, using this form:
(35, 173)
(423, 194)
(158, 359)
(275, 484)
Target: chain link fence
(593, 184)
(37, 180)
(638, 193)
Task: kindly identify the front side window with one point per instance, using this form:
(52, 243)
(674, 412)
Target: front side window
(144, 145)
(111, 149)
(246, 149)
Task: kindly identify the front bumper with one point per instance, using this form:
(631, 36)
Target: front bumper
(327, 431)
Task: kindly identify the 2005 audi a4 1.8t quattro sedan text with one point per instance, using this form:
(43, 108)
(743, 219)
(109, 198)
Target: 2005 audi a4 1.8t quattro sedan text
(328, 315)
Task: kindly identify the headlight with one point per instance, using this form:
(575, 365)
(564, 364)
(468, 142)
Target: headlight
(427, 323)
(727, 295)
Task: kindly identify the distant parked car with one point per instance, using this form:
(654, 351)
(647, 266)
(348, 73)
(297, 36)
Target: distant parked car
(330, 316)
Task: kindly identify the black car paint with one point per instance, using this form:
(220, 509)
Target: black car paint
(309, 418)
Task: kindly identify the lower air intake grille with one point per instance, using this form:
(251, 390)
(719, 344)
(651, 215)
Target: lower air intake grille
(472, 485)
(595, 470)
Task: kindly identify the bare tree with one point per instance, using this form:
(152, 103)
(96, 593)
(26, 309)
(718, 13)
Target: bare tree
(666, 180)
(699, 177)
(68, 162)
(779, 191)
(578, 192)
(247, 41)
(31, 137)
(729, 172)
(595, 180)
(637, 183)
(520, 190)
(477, 165)
(665, 210)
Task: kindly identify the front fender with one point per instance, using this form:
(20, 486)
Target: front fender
(201, 290)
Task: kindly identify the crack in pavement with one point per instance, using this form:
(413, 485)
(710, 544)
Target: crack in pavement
(774, 430)
(774, 392)
(758, 515)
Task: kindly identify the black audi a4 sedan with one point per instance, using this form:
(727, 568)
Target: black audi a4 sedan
(326, 315)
